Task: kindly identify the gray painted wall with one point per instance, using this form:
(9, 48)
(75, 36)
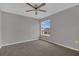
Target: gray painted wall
(0, 28)
(16, 28)
(65, 28)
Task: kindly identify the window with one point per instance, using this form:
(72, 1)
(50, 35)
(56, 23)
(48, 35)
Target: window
(45, 28)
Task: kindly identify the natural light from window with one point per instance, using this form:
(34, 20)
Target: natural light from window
(45, 28)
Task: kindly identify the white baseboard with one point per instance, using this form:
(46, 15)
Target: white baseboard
(67, 46)
(18, 42)
(64, 46)
(0, 46)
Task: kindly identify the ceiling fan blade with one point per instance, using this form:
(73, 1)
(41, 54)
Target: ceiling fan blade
(29, 10)
(30, 5)
(42, 10)
(41, 5)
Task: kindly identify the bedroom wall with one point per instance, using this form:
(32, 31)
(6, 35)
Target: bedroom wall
(0, 28)
(65, 28)
(18, 29)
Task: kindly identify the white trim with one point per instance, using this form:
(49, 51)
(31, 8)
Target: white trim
(0, 46)
(64, 46)
(18, 42)
(67, 46)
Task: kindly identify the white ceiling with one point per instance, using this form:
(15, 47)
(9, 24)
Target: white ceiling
(20, 8)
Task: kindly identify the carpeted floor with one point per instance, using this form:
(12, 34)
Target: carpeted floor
(36, 48)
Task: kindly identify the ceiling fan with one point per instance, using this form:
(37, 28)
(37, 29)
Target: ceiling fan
(36, 8)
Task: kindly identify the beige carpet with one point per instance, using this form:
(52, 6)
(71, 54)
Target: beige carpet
(36, 48)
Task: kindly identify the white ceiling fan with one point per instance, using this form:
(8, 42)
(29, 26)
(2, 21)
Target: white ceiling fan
(36, 8)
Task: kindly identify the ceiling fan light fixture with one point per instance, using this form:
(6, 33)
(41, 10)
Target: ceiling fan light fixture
(36, 8)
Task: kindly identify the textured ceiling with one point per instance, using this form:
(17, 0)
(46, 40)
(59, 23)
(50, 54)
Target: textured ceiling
(20, 8)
